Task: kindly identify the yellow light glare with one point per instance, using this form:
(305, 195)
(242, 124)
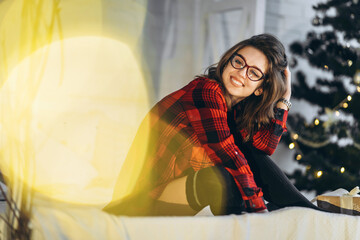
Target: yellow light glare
(326, 67)
(295, 136)
(350, 63)
(319, 174)
(358, 88)
(345, 105)
(298, 157)
(316, 122)
(342, 169)
(337, 113)
(349, 98)
(291, 145)
(77, 148)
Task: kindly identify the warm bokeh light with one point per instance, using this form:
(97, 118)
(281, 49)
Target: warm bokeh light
(345, 105)
(337, 113)
(72, 95)
(316, 121)
(349, 98)
(295, 136)
(357, 77)
(291, 145)
(342, 169)
(83, 117)
(298, 157)
(319, 173)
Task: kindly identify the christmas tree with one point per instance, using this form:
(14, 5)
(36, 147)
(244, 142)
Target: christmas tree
(329, 145)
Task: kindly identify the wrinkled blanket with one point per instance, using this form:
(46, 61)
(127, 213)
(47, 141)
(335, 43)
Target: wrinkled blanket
(66, 221)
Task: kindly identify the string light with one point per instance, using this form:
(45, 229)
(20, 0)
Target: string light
(344, 104)
(357, 77)
(295, 136)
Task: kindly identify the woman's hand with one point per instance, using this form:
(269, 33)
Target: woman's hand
(287, 73)
(287, 94)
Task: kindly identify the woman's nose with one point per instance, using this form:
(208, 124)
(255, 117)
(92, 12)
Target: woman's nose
(242, 72)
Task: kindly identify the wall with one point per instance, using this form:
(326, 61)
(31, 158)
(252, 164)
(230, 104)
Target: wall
(182, 38)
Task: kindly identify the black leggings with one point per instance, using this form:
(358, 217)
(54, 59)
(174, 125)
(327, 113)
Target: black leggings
(213, 182)
(277, 188)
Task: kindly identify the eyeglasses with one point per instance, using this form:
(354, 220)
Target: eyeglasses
(253, 73)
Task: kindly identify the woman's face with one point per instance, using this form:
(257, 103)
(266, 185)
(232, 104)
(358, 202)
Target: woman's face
(237, 83)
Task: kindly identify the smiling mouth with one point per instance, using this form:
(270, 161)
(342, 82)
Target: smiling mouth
(236, 82)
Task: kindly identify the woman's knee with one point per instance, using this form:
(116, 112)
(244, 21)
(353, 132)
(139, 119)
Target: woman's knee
(216, 187)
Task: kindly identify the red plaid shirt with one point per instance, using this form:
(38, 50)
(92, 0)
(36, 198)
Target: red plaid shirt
(189, 129)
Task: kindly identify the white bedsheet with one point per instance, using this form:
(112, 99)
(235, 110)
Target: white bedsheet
(66, 221)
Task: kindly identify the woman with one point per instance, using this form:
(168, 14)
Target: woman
(209, 140)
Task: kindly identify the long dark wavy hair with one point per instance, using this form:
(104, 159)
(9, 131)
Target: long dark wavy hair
(255, 111)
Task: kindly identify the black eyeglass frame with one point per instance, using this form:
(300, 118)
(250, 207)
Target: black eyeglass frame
(264, 76)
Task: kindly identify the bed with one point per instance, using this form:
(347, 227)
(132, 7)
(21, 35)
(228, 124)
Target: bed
(55, 220)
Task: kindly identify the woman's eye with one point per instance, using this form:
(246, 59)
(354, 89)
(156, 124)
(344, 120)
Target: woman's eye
(254, 73)
(239, 62)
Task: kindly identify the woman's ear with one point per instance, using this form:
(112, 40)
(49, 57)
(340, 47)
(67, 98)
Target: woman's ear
(258, 91)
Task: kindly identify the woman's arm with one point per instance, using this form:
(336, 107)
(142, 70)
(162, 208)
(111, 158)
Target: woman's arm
(206, 110)
(268, 137)
(287, 94)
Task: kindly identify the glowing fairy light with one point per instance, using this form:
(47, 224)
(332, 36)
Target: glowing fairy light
(316, 121)
(298, 157)
(291, 145)
(342, 169)
(319, 174)
(345, 105)
(358, 88)
(349, 98)
(337, 113)
(357, 77)
(295, 136)
(349, 63)
(326, 67)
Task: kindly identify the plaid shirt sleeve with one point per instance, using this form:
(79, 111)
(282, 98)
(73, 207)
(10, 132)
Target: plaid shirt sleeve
(206, 110)
(268, 137)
